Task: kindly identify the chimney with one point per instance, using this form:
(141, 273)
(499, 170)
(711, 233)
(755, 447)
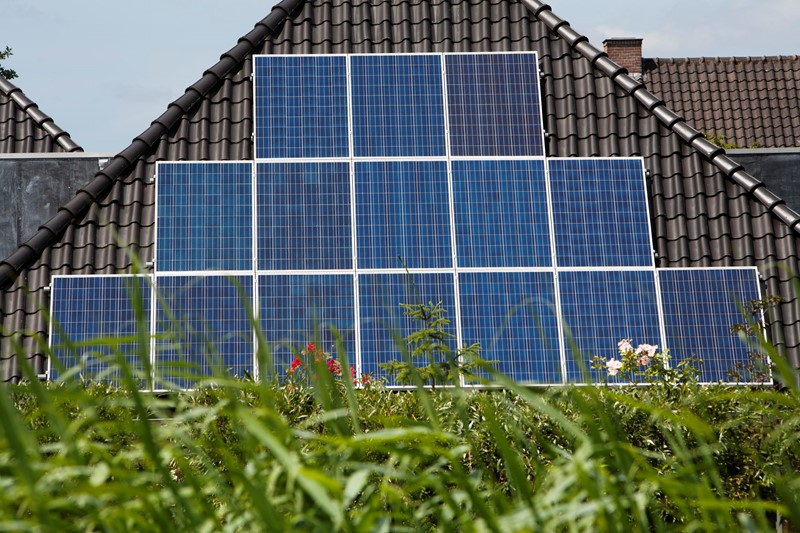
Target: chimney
(627, 53)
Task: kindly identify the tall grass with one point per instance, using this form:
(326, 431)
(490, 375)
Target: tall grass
(242, 455)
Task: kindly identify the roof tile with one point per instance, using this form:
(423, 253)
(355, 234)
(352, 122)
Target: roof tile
(759, 97)
(24, 128)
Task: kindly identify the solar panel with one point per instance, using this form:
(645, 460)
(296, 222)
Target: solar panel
(403, 214)
(297, 309)
(204, 216)
(513, 316)
(203, 329)
(368, 167)
(397, 103)
(600, 213)
(96, 326)
(382, 323)
(501, 213)
(301, 106)
(494, 105)
(700, 308)
(599, 308)
(304, 216)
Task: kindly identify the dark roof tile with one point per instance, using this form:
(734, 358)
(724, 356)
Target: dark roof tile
(727, 165)
(24, 128)
(746, 100)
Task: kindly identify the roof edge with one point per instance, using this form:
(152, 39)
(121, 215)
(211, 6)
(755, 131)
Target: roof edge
(29, 107)
(58, 155)
(674, 122)
(724, 59)
(28, 252)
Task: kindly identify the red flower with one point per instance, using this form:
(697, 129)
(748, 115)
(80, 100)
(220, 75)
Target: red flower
(310, 348)
(364, 380)
(333, 367)
(295, 364)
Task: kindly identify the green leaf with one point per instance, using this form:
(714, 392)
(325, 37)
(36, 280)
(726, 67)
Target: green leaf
(355, 484)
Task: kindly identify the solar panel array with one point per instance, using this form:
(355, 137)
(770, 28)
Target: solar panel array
(388, 179)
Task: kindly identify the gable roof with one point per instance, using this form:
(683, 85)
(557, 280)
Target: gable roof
(25, 129)
(747, 100)
(706, 210)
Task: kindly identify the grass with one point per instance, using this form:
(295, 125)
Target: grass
(266, 455)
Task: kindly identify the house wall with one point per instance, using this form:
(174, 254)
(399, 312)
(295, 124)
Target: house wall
(33, 187)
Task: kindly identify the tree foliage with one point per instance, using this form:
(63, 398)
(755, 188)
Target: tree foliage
(723, 142)
(430, 344)
(7, 73)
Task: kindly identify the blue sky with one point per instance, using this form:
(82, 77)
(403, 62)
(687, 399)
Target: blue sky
(104, 70)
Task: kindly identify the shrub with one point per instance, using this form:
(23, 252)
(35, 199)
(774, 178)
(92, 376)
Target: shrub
(316, 452)
(246, 455)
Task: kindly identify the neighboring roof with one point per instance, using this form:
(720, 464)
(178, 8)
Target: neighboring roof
(25, 129)
(706, 209)
(750, 101)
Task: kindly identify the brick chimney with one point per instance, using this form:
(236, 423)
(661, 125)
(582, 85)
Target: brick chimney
(626, 52)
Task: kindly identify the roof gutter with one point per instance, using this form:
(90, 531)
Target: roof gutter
(675, 123)
(48, 233)
(42, 120)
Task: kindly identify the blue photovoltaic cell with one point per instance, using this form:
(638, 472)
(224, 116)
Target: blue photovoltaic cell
(402, 211)
(493, 105)
(600, 309)
(398, 108)
(501, 214)
(94, 322)
(383, 325)
(513, 316)
(204, 216)
(700, 307)
(304, 216)
(301, 106)
(203, 329)
(298, 309)
(600, 213)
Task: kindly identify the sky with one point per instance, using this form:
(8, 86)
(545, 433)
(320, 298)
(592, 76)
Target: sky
(105, 69)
